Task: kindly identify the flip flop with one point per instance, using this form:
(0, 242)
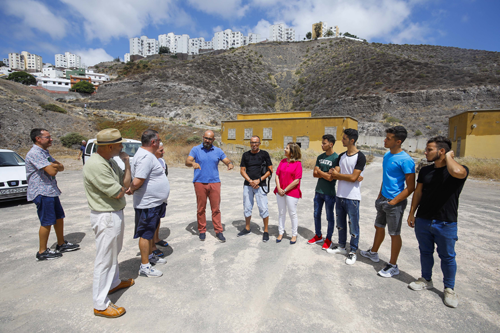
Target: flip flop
(158, 253)
(162, 243)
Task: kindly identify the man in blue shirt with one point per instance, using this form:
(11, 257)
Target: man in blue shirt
(398, 168)
(205, 160)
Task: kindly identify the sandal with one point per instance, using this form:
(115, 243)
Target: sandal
(162, 243)
(158, 253)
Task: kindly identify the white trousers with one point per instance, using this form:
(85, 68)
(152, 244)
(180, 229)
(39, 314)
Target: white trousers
(286, 202)
(108, 228)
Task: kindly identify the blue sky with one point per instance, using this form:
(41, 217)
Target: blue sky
(99, 30)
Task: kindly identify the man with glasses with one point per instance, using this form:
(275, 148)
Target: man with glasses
(41, 171)
(204, 159)
(151, 189)
(252, 163)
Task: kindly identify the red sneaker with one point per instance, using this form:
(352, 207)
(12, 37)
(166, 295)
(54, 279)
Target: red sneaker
(327, 244)
(315, 240)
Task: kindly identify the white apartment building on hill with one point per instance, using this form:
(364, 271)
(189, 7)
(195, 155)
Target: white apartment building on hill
(68, 60)
(280, 33)
(144, 46)
(6, 61)
(175, 43)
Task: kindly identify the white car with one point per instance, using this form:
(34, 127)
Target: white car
(13, 184)
(130, 146)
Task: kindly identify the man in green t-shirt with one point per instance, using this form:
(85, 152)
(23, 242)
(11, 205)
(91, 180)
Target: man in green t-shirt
(105, 185)
(325, 191)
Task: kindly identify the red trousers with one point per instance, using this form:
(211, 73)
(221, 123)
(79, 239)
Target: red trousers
(212, 192)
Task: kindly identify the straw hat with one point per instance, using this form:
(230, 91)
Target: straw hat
(109, 136)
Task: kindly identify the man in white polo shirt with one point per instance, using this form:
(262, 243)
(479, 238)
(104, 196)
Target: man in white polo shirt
(351, 165)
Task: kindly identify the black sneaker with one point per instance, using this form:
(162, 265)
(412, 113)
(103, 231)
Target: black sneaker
(48, 255)
(202, 236)
(221, 237)
(244, 232)
(265, 237)
(67, 247)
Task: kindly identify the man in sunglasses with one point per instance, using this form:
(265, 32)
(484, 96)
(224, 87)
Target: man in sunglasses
(204, 159)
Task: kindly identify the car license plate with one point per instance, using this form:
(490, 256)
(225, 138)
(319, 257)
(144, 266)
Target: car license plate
(13, 190)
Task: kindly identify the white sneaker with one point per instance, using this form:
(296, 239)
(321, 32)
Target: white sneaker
(337, 250)
(373, 256)
(389, 271)
(351, 258)
(420, 284)
(157, 260)
(450, 298)
(150, 272)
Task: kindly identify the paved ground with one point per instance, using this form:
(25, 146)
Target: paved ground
(246, 285)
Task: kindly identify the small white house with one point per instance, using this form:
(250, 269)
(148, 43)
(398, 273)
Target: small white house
(54, 84)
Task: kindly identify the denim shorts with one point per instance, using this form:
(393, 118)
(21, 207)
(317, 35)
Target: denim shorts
(390, 215)
(49, 210)
(146, 221)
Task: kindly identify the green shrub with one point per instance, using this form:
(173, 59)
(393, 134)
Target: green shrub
(53, 107)
(72, 139)
(83, 87)
(195, 139)
(22, 77)
(392, 119)
(418, 133)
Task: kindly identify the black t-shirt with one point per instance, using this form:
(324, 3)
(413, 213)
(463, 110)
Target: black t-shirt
(253, 162)
(439, 194)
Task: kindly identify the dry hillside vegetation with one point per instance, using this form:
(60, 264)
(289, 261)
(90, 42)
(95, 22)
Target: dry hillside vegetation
(381, 85)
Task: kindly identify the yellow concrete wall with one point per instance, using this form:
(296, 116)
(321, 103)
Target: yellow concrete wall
(295, 114)
(481, 140)
(314, 128)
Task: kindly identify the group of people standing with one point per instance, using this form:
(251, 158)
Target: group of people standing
(435, 201)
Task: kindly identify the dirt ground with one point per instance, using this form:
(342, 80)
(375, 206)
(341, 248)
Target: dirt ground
(245, 285)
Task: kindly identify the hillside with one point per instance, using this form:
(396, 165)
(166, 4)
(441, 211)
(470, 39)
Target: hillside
(419, 86)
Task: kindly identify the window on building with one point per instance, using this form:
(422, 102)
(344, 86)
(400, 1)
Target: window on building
(332, 131)
(248, 133)
(267, 133)
(286, 140)
(304, 142)
(455, 134)
(231, 134)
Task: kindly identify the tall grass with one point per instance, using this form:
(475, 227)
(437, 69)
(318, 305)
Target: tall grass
(481, 167)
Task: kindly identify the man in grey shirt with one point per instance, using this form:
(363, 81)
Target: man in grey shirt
(150, 188)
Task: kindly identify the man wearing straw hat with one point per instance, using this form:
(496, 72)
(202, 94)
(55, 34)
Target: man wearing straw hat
(105, 185)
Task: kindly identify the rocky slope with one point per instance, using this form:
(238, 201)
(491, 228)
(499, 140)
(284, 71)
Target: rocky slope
(381, 85)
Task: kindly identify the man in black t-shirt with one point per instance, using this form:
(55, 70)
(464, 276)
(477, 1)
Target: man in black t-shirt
(252, 163)
(436, 197)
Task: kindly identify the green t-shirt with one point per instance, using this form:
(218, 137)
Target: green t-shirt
(325, 163)
(103, 180)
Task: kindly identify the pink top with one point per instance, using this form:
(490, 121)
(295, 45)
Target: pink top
(287, 173)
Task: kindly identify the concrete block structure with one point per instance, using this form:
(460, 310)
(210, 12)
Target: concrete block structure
(475, 133)
(277, 129)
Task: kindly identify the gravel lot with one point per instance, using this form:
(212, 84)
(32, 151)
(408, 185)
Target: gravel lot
(245, 285)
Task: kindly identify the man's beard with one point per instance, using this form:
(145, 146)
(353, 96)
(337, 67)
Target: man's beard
(207, 145)
(434, 159)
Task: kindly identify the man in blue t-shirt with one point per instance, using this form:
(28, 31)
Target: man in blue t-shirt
(398, 168)
(205, 160)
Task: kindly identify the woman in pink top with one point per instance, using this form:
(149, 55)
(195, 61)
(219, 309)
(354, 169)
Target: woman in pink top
(287, 189)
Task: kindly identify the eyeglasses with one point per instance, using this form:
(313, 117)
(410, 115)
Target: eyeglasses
(209, 139)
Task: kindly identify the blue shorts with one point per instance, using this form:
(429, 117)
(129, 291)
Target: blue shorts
(146, 221)
(49, 210)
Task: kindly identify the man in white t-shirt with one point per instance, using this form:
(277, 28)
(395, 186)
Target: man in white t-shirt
(150, 188)
(349, 174)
